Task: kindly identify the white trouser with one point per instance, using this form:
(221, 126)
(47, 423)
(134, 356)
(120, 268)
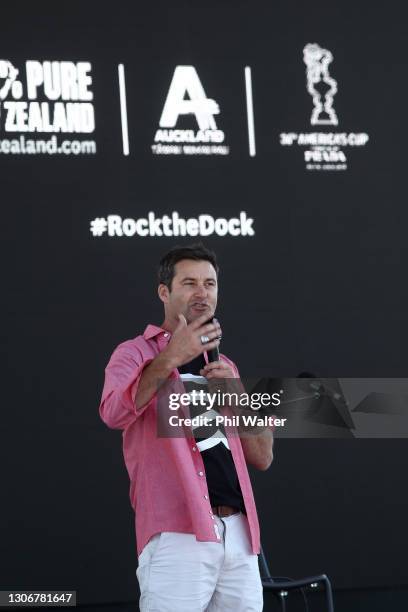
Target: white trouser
(177, 573)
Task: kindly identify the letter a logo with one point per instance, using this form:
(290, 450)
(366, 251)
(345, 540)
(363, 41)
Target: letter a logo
(185, 81)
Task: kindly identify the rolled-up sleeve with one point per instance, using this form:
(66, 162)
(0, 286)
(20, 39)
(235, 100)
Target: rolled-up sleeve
(122, 376)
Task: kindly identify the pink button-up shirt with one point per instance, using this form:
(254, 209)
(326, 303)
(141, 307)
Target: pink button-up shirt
(168, 487)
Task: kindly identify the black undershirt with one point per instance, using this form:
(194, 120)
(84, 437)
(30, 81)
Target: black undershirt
(222, 479)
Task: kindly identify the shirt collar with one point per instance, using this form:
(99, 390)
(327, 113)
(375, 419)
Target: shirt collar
(152, 331)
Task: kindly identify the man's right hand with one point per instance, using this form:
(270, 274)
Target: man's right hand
(186, 344)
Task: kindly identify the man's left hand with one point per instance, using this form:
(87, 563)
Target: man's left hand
(217, 369)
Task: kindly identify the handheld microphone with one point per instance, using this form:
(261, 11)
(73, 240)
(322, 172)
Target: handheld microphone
(213, 354)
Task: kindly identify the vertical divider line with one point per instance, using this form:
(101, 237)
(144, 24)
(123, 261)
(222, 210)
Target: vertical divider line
(123, 109)
(250, 111)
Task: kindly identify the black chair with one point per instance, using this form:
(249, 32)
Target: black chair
(281, 587)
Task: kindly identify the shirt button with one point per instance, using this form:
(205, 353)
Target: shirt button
(201, 473)
(194, 448)
(165, 335)
(205, 496)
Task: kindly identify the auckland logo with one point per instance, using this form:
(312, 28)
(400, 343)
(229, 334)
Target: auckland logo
(323, 150)
(187, 104)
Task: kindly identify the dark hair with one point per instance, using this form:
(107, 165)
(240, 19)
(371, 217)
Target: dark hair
(196, 252)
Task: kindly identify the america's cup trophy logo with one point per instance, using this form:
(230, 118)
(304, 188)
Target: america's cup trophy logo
(321, 86)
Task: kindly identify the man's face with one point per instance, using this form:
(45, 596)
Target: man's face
(194, 290)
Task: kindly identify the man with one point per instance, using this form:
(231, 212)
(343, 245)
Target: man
(196, 523)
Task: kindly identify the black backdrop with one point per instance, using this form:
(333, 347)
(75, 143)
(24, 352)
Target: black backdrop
(319, 287)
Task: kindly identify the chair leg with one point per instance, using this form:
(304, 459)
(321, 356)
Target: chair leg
(282, 597)
(329, 595)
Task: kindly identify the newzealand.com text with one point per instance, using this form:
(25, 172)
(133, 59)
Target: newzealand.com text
(51, 146)
(172, 225)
